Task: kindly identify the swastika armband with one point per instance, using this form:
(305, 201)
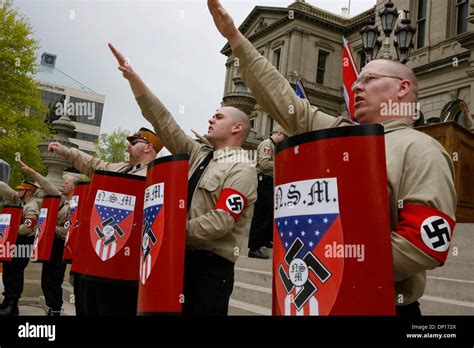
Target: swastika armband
(29, 223)
(232, 201)
(427, 228)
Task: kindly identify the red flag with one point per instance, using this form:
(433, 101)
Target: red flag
(349, 76)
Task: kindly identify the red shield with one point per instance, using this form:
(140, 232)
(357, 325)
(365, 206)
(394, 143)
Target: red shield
(10, 220)
(332, 250)
(109, 234)
(45, 229)
(153, 228)
(77, 206)
(111, 222)
(164, 235)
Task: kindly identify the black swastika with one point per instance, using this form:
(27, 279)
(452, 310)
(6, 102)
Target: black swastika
(109, 221)
(442, 234)
(235, 203)
(314, 264)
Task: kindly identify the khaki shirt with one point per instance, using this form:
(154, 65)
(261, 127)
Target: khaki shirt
(65, 205)
(87, 164)
(207, 228)
(30, 209)
(265, 153)
(419, 170)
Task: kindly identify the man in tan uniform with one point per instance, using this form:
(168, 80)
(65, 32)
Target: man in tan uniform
(221, 195)
(261, 230)
(13, 271)
(52, 274)
(420, 172)
(96, 297)
(143, 148)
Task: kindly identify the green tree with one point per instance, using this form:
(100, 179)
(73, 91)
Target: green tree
(22, 125)
(112, 147)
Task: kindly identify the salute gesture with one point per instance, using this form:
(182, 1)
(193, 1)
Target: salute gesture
(224, 23)
(138, 87)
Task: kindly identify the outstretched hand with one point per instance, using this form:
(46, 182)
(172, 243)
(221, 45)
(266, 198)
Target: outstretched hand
(224, 23)
(25, 168)
(58, 148)
(124, 65)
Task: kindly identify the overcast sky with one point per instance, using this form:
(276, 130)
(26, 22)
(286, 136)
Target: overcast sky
(173, 45)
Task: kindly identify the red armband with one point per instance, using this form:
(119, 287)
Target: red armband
(29, 223)
(428, 229)
(232, 201)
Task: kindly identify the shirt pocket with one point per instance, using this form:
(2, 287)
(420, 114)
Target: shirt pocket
(209, 183)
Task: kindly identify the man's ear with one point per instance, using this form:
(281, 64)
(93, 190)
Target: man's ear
(237, 127)
(148, 148)
(405, 88)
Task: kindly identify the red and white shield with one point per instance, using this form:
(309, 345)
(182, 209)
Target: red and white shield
(153, 229)
(40, 228)
(4, 227)
(308, 279)
(111, 222)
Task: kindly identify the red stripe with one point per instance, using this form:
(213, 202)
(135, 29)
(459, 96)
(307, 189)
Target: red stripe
(222, 202)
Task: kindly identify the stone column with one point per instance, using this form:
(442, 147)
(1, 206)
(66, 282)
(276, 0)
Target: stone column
(55, 163)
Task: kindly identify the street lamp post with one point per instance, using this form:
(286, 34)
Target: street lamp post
(404, 33)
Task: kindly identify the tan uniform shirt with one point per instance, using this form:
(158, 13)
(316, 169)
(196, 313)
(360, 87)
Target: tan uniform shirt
(419, 169)
(65, 205)
(30, 209)
(265, 152)
(207, 228)
(87, 164)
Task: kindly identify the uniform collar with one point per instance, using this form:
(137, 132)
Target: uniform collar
(396, 124)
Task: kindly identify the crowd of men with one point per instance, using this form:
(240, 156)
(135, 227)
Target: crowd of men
(420, 173)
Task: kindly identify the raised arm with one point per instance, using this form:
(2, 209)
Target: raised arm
(170, 133)
(45, 184)
(271, 90)
(83, 162)
(8, 194)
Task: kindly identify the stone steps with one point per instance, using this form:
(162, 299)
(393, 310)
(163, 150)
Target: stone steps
(450, 288)
(431, 305)
(252, 294)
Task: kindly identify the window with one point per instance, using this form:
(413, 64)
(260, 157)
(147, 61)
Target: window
(277, 58)
(50, 99)
(322, 58)
(272, 124)
(421, 24)
(362, 58)
(85, 136)
(86, 111)
(461, 10)
(252, 123)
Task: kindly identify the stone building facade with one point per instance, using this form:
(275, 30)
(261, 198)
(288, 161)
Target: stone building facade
(305, 41)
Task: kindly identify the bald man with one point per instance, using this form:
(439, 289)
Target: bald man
(420, 172)
(221, 195)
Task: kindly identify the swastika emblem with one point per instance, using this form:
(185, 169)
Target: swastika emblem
(436, 233)
(235, 203)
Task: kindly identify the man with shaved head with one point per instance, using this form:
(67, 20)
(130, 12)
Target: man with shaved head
(420, 172)
(221, 195)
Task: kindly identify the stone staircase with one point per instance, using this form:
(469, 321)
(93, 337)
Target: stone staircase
(449, 289)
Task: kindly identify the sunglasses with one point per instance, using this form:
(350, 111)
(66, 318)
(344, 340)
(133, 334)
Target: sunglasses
(136, 141)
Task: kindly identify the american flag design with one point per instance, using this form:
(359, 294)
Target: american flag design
(111, 222)
(4, 227)
(153, 228)
(39, 233)
(72, 216)
(307, 219)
